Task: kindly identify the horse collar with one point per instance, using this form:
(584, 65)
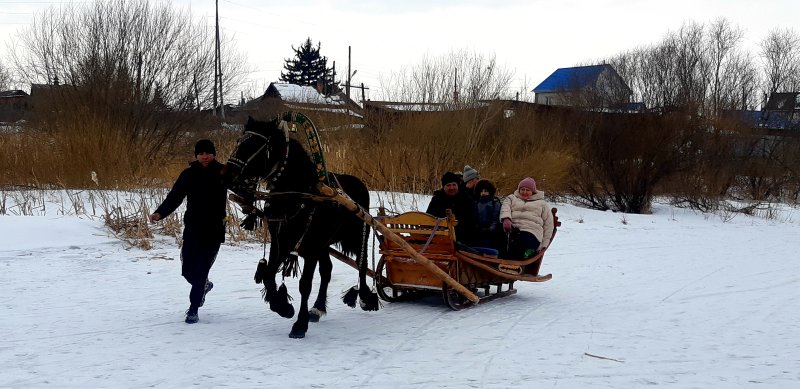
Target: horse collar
(277, 170)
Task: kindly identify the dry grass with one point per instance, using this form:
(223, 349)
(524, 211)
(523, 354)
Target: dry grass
(411, 154)
(42, 159)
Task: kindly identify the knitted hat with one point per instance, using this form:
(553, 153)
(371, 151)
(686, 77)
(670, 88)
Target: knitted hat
(470, 173)
(448, 178)
(204, 146)
(527, 183)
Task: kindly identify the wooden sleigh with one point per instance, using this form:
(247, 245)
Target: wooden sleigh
(400, 276)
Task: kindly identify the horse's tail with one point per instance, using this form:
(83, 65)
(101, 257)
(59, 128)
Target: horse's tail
(354, 242)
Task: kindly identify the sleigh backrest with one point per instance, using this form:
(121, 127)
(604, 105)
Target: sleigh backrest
(424, 232)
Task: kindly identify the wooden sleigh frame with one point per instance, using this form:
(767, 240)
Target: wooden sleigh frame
(401, 276)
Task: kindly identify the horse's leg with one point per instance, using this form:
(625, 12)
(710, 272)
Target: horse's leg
(301, 325)
(278, 299)
(319, 309)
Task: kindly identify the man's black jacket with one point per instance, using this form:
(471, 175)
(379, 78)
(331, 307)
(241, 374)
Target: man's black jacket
(205, 195)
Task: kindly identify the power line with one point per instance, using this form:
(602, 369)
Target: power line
(42, 2)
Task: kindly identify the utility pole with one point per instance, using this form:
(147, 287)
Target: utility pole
(349, 75)
(216, 75)
(333, 81)
(218, 68)
(455, 86)
(363, 99)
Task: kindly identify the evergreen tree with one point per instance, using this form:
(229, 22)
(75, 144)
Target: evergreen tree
(308, 66)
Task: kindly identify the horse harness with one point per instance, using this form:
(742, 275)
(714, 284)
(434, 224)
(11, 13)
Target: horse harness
(275, 174)
(276, 171)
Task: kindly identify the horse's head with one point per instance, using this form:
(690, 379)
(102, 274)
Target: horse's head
(258, 154)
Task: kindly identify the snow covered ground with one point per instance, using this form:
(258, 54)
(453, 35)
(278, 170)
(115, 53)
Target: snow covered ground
(673, 299)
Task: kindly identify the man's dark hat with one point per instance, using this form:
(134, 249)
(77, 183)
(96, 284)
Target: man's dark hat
(204, 146)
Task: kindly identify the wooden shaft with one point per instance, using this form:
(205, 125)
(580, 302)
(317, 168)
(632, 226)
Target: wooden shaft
(388, 234)
(344, 258)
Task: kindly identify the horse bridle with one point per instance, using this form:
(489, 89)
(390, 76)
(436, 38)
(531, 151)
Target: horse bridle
(278, 168)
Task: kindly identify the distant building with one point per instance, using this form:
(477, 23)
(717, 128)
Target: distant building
(787, 102)
(14, 105)
(592, 87)
(306, 98)
(776, 123)
(328, 112)
(780, 113)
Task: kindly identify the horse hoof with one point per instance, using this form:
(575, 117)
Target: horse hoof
(298, 331)
(315, 314)
(286, 311)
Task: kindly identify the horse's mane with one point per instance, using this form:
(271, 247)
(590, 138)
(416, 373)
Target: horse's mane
(300, 168)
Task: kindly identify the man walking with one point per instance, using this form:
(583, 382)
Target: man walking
(204, 220)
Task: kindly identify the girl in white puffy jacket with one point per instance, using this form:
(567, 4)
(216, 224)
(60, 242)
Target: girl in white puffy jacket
(527, 211)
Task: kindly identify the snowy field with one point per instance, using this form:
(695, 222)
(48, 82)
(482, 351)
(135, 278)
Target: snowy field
(673, 299)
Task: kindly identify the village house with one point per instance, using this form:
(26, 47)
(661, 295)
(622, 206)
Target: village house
(326, 111)
(14, 105)
(597, 87)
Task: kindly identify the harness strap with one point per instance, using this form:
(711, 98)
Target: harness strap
(433, 233)
(242, 164)
(308, 226)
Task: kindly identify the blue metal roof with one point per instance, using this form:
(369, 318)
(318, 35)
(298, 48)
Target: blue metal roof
(768, 120)
(570, 79)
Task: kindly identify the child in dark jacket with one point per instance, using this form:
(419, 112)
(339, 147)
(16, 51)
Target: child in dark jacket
(490, 231)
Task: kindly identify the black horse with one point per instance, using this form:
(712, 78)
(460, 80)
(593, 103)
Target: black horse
(297, 223)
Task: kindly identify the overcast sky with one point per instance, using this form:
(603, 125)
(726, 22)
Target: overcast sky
(531, 38)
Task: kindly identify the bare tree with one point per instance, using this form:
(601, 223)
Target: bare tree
(691, 64)
(461, 77)
(699, 66)
(5, 77)
(780, 53)
(723, 39)
(156, 46)
(136, 66)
